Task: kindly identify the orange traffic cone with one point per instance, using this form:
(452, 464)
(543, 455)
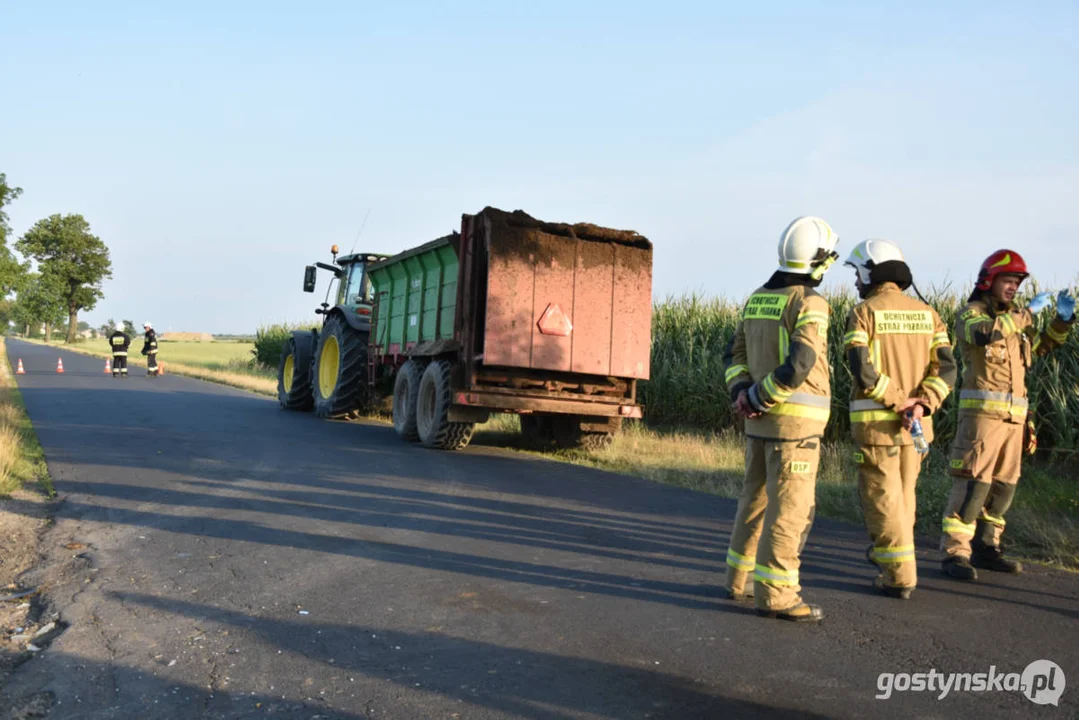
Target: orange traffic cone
(108, 366)
(20, 371)
(161, 368)
(59, 365)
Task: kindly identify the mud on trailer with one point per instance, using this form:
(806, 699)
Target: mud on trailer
(511, 314)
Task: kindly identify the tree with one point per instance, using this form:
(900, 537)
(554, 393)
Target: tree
(106, 329)
(129, 327)
(11, 270)
(40, 302)
(65, 250)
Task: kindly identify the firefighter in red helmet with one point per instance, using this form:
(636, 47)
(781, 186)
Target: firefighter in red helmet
(999, 342)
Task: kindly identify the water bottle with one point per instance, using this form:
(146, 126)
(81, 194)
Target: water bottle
(919, 437)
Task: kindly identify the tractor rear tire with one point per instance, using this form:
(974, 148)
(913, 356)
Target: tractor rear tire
(433, 410)
(406, 390)
(294, 391)
(339, 369)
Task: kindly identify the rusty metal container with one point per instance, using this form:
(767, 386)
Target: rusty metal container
(568, 298)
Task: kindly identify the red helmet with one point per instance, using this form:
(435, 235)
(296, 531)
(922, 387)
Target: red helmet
(1002, 262)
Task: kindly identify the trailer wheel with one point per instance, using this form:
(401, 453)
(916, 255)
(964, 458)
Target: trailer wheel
(569, 434)
(338, 369)
(433, 409)
(406, 388)
(294, 391)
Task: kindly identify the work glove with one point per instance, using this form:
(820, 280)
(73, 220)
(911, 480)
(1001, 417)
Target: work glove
(1041, 301)
(1065, 306)
(1030, 435)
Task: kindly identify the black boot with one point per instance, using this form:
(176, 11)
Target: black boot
(989, 557)
(959, 568)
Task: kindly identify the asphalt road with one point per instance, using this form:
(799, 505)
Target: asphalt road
(247, 562)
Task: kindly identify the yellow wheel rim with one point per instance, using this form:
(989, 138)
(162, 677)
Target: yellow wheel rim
(290, 368)
(328, 366)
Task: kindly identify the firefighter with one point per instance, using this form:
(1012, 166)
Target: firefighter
(120, 342)
(902, 369)
(778, 377)
(149, 348)
(999, 343)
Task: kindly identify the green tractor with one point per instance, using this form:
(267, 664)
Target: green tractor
(326, 370)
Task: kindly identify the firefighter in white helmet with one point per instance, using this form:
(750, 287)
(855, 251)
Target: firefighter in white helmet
(902, 369)
(120, 342)
(149, 348)
(778, 377)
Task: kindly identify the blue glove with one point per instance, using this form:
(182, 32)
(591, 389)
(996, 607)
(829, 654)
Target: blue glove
(1065, 306)
(1041, 301)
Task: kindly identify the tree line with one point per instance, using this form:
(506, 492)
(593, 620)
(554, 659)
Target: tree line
(54, 273)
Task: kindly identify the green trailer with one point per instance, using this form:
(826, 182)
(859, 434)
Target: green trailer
(511, 314)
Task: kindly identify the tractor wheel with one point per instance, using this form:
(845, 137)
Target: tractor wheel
(433, 409)
(294, 391)
(569, 434)
(537, 429)
(406, 388)
(339, 368)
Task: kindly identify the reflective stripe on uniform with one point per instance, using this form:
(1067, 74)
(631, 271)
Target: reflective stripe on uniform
(993, 519)
(940, 340)
(880, 388)
(1008, 324)
(1058, 337)
(740, 562)
(856, 337)
(782, 578)
(936, 384)
(773, 390)
(956, 526)
(970, 322)
(802, 411)
(784, 345)
(862, 411)
(893, 555)
(993, 402)
(121, 353)
(810, 317)
(732, 372)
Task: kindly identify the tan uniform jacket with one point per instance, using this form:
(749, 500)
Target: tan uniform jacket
(898, 348)
(999, 345)
(779, 354)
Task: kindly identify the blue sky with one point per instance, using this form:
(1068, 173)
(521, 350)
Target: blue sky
(220, 147)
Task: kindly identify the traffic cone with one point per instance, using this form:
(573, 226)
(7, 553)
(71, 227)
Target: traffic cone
(59, 365)
(108, 366)
(160, 369)
(20, 371)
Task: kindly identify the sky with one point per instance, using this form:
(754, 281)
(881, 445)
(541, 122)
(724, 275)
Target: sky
(218, 148)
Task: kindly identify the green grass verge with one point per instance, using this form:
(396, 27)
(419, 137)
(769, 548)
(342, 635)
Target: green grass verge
(22, 460)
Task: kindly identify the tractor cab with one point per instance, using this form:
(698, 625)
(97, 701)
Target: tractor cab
(353, 295)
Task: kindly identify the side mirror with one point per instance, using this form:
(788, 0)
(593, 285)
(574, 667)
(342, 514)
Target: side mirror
(309, 274)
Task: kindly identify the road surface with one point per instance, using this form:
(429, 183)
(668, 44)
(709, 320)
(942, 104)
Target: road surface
(243, 561)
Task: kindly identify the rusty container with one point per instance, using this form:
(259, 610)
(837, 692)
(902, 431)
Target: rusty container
(559, 297)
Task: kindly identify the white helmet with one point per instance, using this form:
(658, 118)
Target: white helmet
(148, 325)
(118, 327)
(869, 253)
(807, 247)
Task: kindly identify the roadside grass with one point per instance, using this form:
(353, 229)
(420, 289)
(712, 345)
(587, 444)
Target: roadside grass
(1043, 525)
(22, 460)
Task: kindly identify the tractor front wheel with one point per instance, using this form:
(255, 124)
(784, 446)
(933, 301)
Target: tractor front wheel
(294, 391)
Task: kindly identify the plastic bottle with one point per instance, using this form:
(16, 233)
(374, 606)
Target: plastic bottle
(919, 437)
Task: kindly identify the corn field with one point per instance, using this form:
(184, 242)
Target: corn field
(687, 389)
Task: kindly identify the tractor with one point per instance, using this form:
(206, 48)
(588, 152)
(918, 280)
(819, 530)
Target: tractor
(325, 370)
